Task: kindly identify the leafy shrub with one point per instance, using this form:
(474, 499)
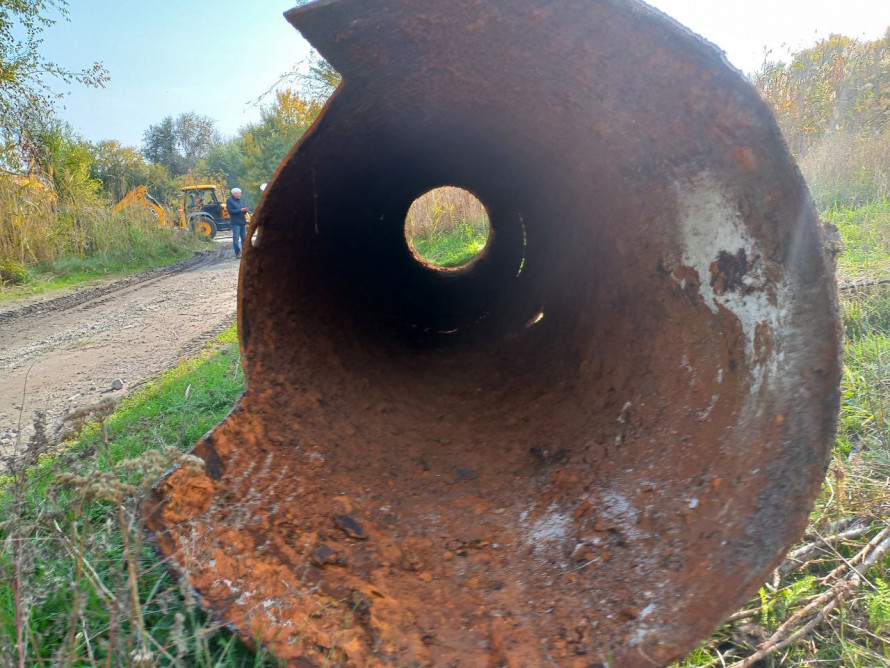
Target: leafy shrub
(11, 271)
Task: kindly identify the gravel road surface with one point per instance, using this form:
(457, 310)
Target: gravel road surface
(66, 353)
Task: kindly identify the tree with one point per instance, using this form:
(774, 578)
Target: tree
(195, 135)
(66, 160)
(268, 142)
(118, 167)
(180, 143)
(159, 146)
(832, 102)
(322, 80)
(161, 185)
(226, 160)
(26, 99)
(837, 85)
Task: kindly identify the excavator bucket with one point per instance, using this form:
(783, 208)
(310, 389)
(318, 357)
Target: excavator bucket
(585, 448)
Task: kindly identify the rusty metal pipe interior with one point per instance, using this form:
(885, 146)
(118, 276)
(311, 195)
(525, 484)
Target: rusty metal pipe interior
(586, 447)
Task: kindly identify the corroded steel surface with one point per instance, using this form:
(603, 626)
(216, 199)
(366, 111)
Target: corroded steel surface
(422, 471)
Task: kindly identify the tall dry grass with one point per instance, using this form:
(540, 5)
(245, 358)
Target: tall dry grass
(26, 214)
(40, 229)
(848, 169)
(442, 210)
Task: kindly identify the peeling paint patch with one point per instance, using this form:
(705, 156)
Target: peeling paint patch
(732, 271)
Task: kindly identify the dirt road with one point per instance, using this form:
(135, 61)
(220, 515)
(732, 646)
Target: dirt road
(73, 348)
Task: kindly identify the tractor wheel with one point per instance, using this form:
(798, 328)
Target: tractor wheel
(203, 226)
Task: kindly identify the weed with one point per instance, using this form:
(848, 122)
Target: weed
(12, 272)
(451, 248)
(78, 584)
(66, 241)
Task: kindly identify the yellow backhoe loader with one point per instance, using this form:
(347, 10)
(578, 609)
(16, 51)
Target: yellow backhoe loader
(203, 212)
(200, 210)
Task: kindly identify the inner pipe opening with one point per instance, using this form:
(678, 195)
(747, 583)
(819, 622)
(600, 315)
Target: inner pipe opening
(447, 228)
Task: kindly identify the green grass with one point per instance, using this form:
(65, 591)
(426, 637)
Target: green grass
(865, 235)
(93, 591)
(453, 247)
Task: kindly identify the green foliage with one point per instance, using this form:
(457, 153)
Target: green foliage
(321, 80)
(849, 169)
(447, 226)
(265, 144)
(453, 247)
(865, 235)
(839, 84)
(159, 146)
(161, 185)
(25, 99)
(67, 239)
(189, 147)
(864, 395)
(316, 78)
(74, 271)
(63, 217)
(878, 605)
(12, 272)
(118, 168)
(67, 160)
(832, 102)
(226, 160)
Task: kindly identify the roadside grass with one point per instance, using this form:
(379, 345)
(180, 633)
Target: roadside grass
(79, 587)
(74, 272)
(78, 584)
(47, 246)
(865, 232)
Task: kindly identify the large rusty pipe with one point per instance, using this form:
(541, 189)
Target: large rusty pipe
(422, 469)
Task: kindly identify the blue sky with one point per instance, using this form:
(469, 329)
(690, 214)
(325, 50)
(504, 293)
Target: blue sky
(168, 57)
(216, 58)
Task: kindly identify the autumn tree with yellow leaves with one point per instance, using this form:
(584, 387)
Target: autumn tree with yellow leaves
(832, 102)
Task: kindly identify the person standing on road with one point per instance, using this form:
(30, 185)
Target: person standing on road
(238, 218)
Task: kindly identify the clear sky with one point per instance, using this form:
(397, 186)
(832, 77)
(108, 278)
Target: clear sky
(217, 58)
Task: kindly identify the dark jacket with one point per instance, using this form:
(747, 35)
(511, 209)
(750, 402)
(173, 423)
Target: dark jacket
(236, 215)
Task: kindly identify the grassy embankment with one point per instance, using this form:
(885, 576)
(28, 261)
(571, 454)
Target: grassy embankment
(78, 587)
(47, 244)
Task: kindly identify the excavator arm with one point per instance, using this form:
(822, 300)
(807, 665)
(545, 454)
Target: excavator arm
(139, 196)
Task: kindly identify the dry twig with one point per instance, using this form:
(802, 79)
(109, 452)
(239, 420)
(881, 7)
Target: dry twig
(820, 607)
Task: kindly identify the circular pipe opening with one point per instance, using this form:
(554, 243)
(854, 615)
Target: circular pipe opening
(447, 228)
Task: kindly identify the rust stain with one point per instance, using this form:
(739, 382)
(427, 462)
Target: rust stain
(728, 272)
